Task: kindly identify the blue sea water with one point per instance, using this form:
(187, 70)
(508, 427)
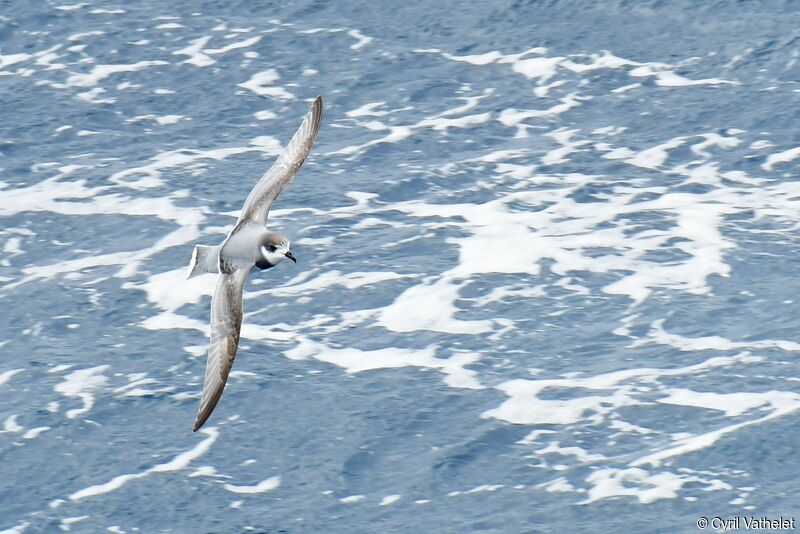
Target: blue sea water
(546, 279)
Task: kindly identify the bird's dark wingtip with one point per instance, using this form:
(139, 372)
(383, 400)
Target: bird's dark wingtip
(198, 422)
(316, 109)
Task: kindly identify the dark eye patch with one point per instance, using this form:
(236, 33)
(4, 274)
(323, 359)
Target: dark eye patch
(272, 248)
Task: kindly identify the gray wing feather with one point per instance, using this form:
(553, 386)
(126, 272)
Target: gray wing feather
(226, 322)
(260, 199)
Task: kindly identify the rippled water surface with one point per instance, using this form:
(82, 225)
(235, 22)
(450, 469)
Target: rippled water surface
(547, 275)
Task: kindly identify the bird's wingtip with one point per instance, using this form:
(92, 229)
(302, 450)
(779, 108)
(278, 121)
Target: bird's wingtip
(199, 421)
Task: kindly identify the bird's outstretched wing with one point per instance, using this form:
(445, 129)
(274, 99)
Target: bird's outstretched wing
(260, 199)
(226, 322)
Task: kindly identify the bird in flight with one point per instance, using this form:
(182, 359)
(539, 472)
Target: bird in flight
(248, 245)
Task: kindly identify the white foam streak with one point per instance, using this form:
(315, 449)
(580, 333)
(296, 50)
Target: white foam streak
(781, 402)
(183, 157)
(524, 406)
(80, 384)
(655, 157)
(579, 453)
(34, 432)
(11, 59)
(646, 487)
(19, 529)
(544, 67)
(389, 499)
(261, 83)
(178, 463)
(101, 72)
(604, 60)
(82, 36)
(130, 261)
(10, 424)
(168, 119)
(515, 117)
(731, 404)
(362, 39)
(54, 195)
(234, 46)
(354, 360)
(562, 232)
(477, 59)
(530, 67)
(262, 487)
(171, 290)
(5, 376)
(483, 488)
(168, 320)
(429, 307)
(559, 155)
(780, 157)
(668, 78)
(327, 279)
(657, 334)
(195, 53)
(439, 122)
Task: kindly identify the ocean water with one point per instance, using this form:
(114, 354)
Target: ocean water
(547, 276)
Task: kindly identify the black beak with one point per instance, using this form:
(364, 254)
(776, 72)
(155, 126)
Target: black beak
(291, 256)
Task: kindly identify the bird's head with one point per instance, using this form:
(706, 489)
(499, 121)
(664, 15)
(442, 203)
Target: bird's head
(273, 249)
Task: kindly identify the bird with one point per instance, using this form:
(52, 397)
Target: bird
(247, 246)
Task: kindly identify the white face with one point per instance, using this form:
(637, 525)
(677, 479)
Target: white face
(277, 255)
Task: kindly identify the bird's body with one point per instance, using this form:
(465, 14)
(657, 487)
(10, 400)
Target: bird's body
(250, 244)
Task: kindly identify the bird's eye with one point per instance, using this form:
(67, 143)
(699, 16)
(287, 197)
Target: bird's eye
(272, 248)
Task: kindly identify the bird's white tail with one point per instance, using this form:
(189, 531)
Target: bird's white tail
(204, 260)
